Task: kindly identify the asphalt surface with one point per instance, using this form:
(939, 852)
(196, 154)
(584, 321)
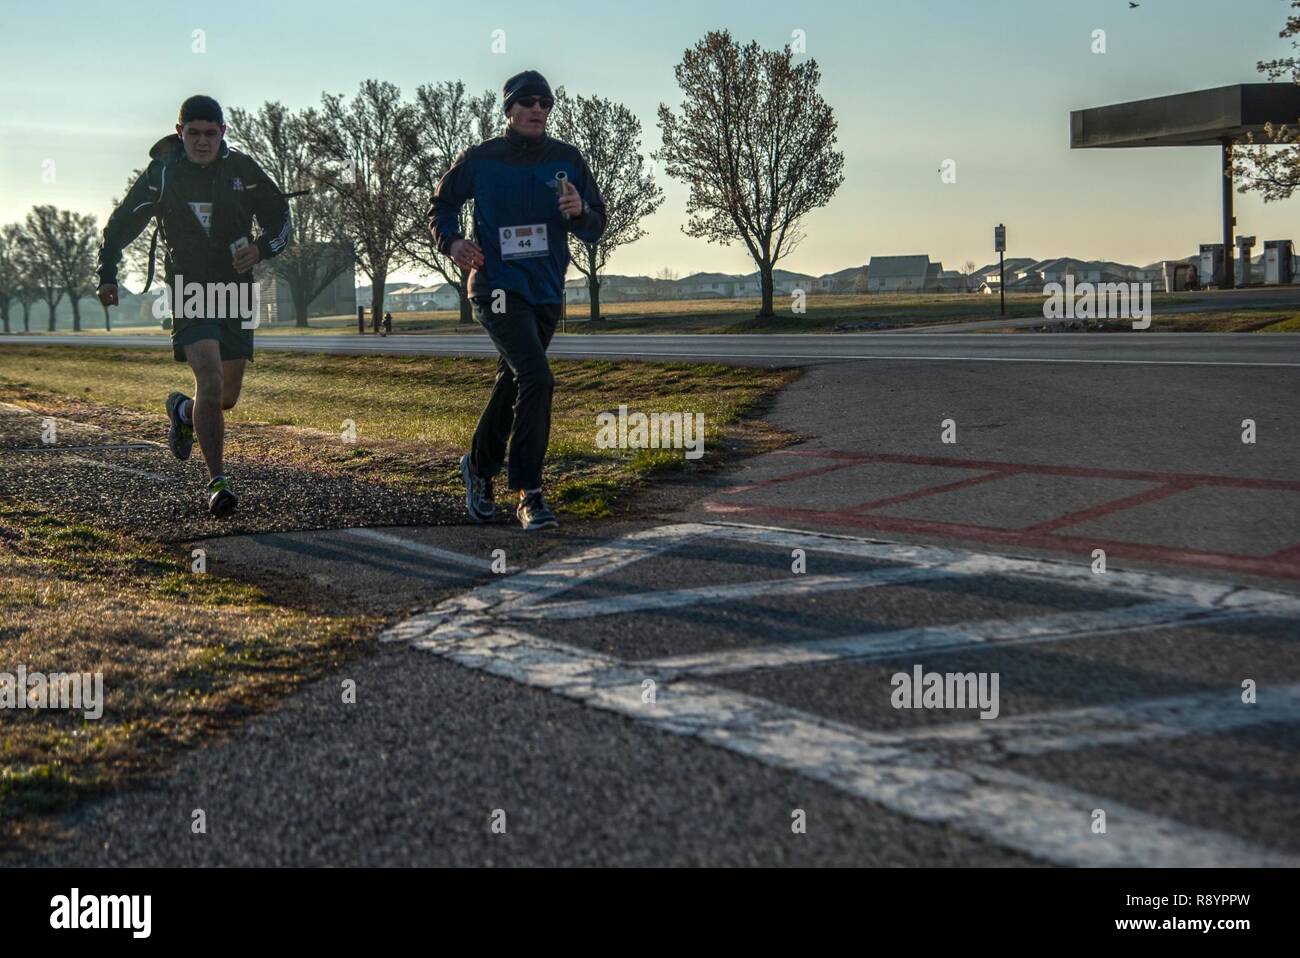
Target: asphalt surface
(524, 693)
(1273, 349)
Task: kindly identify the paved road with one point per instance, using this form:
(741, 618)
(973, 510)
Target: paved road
(773, 615)
(1277, 349)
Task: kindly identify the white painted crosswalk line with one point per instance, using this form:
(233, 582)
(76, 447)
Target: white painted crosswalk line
(1073, 574)
(708, 594)
(1128, 723)
(934, 775)
(420, 548)
(947, 638)
(1047, 821)
(537, 585)
(533, 586)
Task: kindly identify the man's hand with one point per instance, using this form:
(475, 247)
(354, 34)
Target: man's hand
(466, 255)
(570, 201)
(247, 258)
(107, 293)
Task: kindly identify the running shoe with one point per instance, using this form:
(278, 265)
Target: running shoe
(479, 502)
(222, 499)
(534, 513)
(180, 438)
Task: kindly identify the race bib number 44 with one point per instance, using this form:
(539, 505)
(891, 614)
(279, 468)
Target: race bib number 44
(522, 242)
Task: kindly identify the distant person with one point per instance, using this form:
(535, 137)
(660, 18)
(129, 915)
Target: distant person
(205, 197)
(530, 191)
(388, 323)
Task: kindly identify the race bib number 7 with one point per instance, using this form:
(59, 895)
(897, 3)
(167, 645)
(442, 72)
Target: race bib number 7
(523, 242)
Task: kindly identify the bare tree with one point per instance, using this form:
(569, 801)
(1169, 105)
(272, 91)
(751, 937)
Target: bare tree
(38, 259)
(361, 159)
(1272, 168)
(661, 286)
(608, 135)
(10, 274)
(967, 271)
(446, 122)
(277, 139)
(71, 240)
(25, 288)
(63, 247)
(755, 142)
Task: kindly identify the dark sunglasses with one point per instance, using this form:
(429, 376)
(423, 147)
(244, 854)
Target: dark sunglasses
(528, 102)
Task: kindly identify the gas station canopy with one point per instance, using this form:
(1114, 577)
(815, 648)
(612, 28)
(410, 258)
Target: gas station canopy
(1218, 117)
(1203, 118)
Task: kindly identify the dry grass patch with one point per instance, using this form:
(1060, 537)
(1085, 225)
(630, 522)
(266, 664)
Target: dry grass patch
(182, 656)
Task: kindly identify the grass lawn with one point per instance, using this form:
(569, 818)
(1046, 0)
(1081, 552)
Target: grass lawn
(406, 408)
(183, 656)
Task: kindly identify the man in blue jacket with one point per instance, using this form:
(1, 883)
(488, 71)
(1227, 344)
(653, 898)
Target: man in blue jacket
(529, 191)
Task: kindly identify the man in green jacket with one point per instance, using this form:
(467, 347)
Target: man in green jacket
(205, 197)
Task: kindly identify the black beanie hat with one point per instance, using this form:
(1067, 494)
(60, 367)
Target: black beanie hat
(200, 107)
(528, 83)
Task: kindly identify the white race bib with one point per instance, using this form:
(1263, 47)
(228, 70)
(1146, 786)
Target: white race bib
(203, 213)
(523, 242)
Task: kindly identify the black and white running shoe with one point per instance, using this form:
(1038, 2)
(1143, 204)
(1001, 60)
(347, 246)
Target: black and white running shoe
(478, 493)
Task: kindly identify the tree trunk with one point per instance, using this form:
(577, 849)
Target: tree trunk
(54, 319)
(466, 314)
(76, 312)
(765, 272)
(593, 284)
(4, 314)
(300, 311)
(27, 317)
(108, 320)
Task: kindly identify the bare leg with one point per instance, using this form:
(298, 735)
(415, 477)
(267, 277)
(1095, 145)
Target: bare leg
(209, 421)
(232, 381)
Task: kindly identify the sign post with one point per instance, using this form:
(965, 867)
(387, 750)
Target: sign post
(1000, 247)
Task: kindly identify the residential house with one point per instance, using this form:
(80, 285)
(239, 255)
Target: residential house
(898, 274)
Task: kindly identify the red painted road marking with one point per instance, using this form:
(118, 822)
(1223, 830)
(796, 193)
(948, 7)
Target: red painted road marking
(801, 474)
(1086, 472)
(1115, 505)
(931, 491)
(1042, 535)
(1289, 554)
(1286, 568)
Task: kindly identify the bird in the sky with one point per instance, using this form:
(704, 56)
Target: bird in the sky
(1132, 5)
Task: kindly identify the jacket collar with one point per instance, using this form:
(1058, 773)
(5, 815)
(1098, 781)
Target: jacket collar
(171, 144)
(523, 143)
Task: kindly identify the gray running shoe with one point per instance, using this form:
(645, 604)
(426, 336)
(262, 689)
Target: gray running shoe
(478, 493)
